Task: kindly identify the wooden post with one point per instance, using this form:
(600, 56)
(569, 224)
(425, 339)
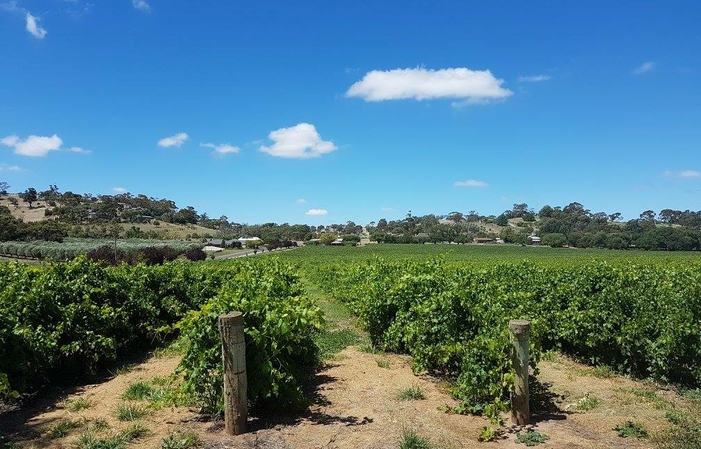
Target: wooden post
(235, 382)
(520, 411)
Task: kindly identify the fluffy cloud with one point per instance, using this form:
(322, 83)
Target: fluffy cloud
(141, 5)
(470, 183)
(644, 68)
(119, 190)
(533, 79)
(33, 146)
(173, 141)
(301, 201)
(299, 142)
(471, 86)
(79, 150)
(222, 149)
(6, 167)
(317, 212)
(34, 28)
(682, 174)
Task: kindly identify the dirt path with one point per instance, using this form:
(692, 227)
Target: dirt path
(356, 407)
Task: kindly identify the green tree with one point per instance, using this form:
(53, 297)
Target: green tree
(3, 187)
(29, 196)
(502, 220)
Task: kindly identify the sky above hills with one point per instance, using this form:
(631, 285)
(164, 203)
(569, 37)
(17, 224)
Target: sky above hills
(322, 112)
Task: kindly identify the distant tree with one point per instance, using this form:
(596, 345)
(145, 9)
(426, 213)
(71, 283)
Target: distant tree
(29, 196)
(648, 215)
(327, 238)
(555, 240)
(502, 220)
(546, 212)
(455, 217)
(4, 187)
(615, 216)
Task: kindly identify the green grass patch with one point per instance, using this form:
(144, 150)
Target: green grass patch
(587, 403)
(76, 405)
(412, 440)
(138, 391)
(119, 440)
(64, 428)
(413, 393)
(331, 343)
(382, 363)
(631, 429)
(531, 438)
(180, 440)
(129, 412)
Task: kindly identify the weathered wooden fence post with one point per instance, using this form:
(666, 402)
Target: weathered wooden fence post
(520, 411)
(235, 382)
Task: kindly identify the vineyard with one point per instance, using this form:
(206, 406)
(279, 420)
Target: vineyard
(636, 313)
(639, 318)
(62, 321)
(71, 248)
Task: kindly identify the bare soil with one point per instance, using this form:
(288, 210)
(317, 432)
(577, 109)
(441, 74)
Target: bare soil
(355, 406)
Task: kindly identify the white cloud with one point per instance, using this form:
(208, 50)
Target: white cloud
(6, 167)
(470, 183)
(689, 174)
(471, 86)
(34, 28)
(682, 174)
(534, 78)
(119, 190)
(222, 149)
(11, 6)
(300, 141)
(141, 5)
(388, 209)
(173, 141)
(79, 150)
(33, 146)
(301, 201)
(644, 68)
(317, 212)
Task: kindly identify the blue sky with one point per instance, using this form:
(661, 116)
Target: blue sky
(322, 112)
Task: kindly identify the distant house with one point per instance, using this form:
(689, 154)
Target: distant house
(535, 240)
(220, 243)
(338, 241)
(244, 241)
(483, 240)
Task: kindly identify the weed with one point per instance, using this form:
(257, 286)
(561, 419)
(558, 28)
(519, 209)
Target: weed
(131, 433)
(333, 342)
(63, 428)
(139, 390)
(412, 393)
(412, 440)
(631, 429)
(693, 394)
(128, 412)
(179, 440)
(76, 405)
(382, 363)
(549, 356)
(100, 424)
(90, 441)
(603, 372)
(369, 349)
(488, 433)
(531, 438)
(587, 403)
